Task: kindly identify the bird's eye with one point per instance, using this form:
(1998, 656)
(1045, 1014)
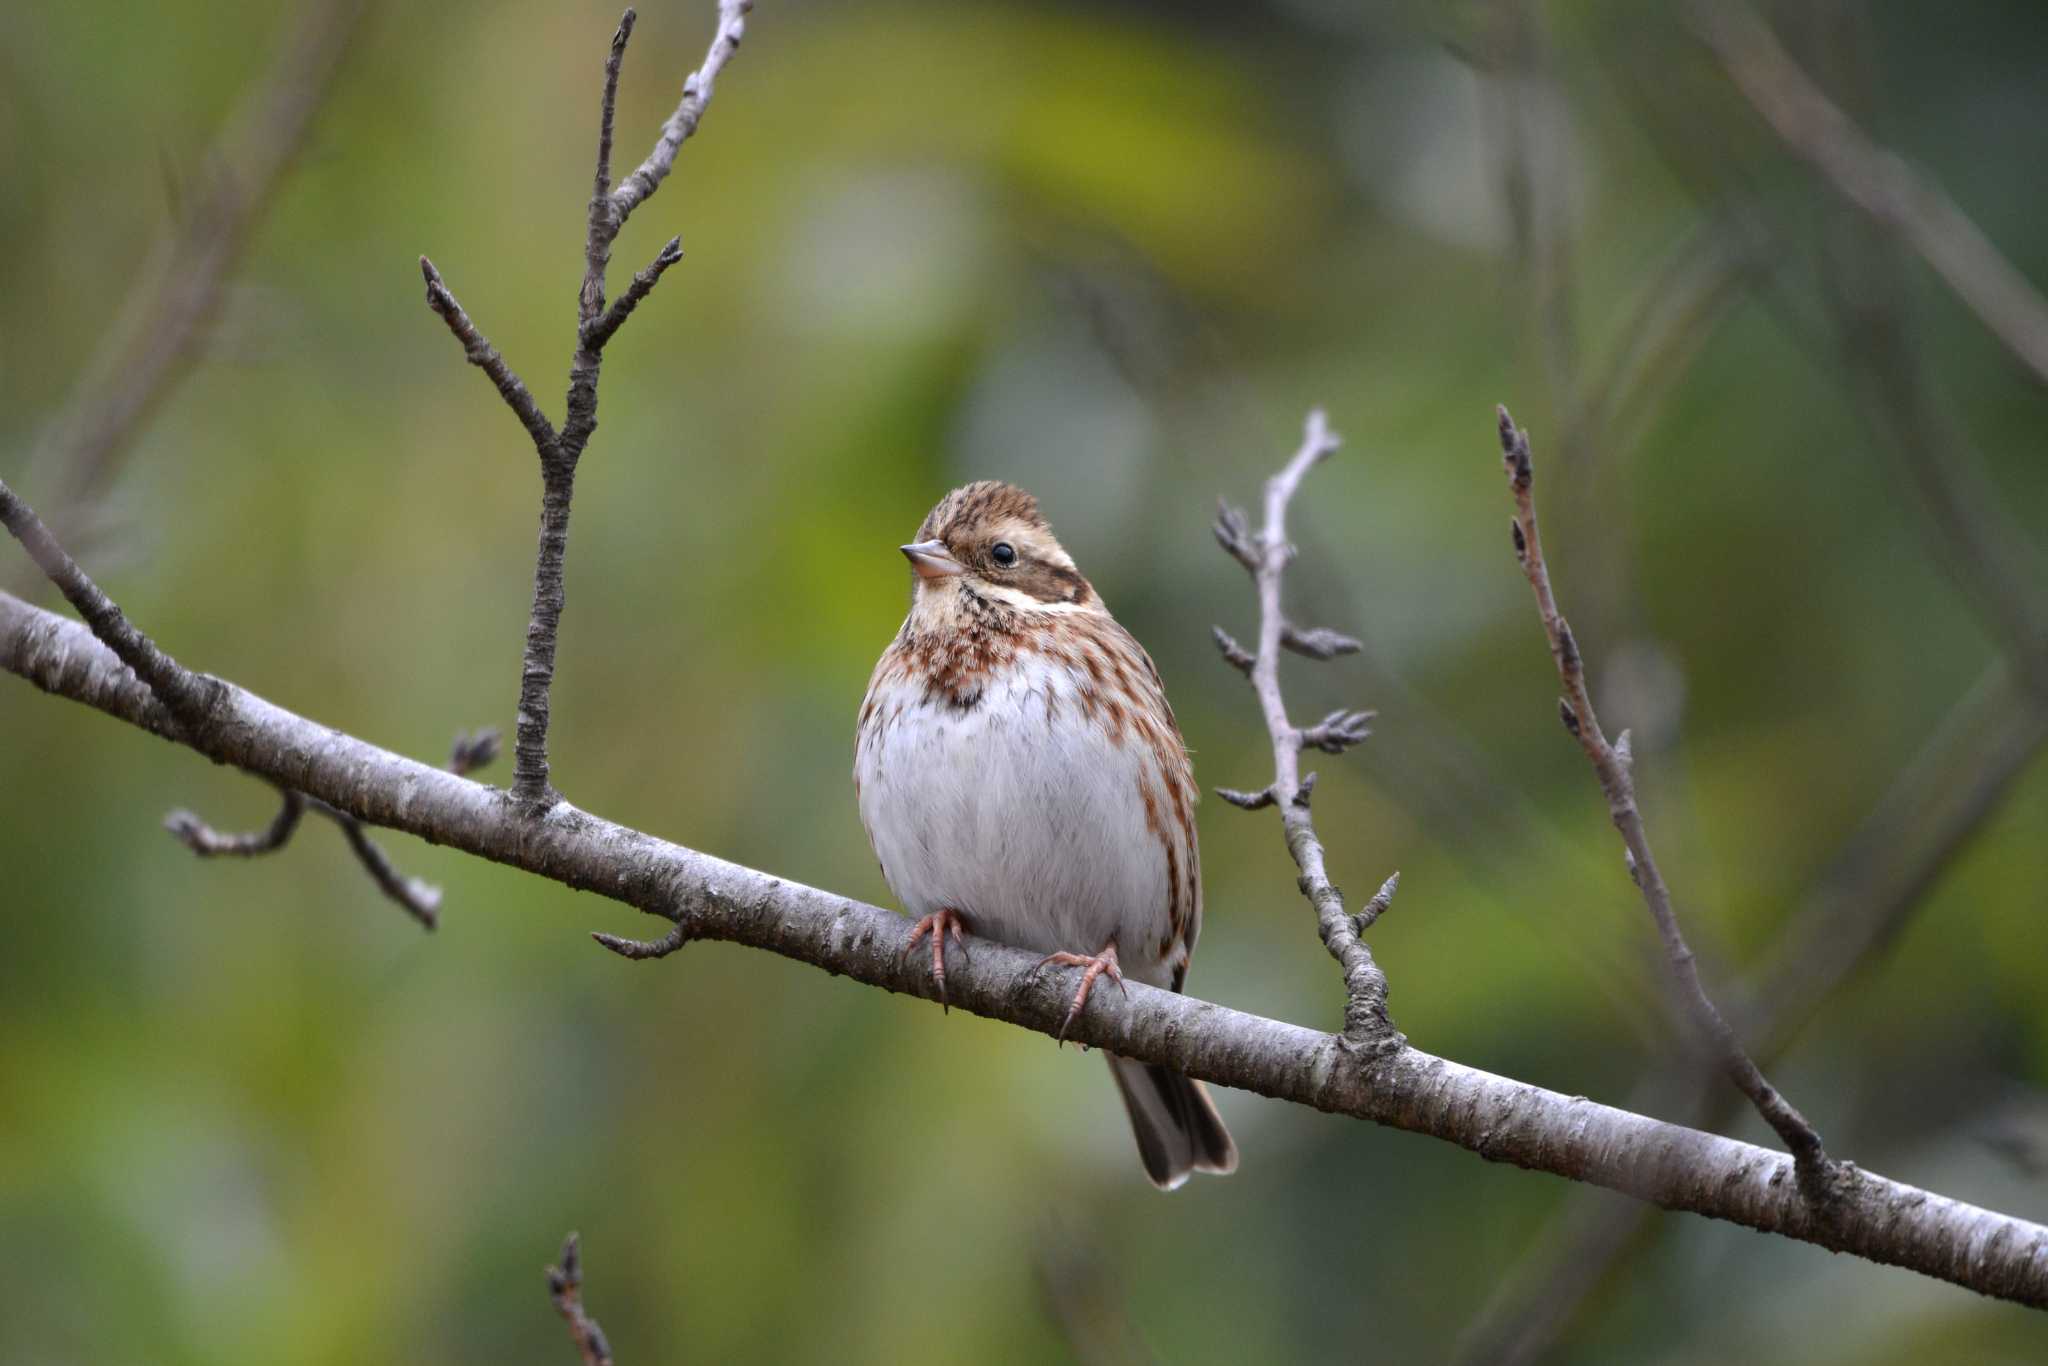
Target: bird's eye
(1002, 552)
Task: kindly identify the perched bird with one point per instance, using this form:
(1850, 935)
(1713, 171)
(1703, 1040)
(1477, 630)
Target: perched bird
(1021, 777)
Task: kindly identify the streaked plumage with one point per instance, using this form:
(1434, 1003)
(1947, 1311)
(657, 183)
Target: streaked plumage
(1018, 767)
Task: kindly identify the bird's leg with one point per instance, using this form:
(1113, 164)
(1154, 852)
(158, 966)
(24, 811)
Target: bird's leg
(1092, 967)
(938, 925)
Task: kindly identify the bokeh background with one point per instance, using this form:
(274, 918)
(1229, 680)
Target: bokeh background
(1112, 251)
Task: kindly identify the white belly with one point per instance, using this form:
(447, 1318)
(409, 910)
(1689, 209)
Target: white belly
(1019, 814)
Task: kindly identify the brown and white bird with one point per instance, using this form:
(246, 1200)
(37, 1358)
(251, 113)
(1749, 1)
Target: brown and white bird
(1021, 775)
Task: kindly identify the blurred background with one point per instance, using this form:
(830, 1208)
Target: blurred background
(1792, 491)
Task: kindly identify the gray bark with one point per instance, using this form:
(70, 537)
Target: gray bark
(708, 898)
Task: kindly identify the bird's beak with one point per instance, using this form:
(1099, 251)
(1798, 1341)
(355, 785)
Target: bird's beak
(932, 560)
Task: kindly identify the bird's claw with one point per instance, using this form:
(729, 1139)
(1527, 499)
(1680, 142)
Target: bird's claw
(1092, 966)
(938, 925)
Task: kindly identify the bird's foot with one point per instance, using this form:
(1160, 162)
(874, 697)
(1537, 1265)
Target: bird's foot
(938, 925)
(1092, 966)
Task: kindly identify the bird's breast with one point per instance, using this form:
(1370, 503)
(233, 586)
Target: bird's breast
(1043, 815)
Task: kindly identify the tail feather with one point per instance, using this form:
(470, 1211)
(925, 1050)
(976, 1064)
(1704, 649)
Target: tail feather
(1176, 1124)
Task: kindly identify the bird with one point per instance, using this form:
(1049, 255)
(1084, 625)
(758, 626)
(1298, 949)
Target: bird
(1022, 778)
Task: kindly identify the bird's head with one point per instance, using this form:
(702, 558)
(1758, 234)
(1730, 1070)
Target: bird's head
(986, 543)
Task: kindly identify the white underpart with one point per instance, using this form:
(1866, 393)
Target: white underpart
(1029, 824)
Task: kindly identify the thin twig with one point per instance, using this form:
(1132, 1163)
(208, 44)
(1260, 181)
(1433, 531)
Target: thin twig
(480, 353)
(647, 178)
(161, 331)
(643, 948)
(184, 694)
(1877, 180)
(599, 330)
(421, 900)
(603, 230)
(565, 1291)
(1982, 747)
(207, 842)
(1575, 708)
(1367, 1025)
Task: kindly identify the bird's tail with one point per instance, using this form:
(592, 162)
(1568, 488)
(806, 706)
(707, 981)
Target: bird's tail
(1176, 1123)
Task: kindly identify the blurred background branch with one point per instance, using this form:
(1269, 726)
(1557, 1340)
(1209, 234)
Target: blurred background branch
(161, 329)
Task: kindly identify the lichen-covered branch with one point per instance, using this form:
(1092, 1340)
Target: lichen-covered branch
(1610, 765)
(1366, 1022)
(709, 898)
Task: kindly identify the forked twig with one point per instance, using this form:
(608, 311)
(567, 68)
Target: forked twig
(1266, 556)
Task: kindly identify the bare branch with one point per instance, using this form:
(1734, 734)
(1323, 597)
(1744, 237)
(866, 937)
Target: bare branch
(203, 840)
(635, 188)
(161, 331)
(604, 227)
(599, 331)
(1877, 180)
(421, 900)
(1234, 534)
(477, 349)
(565, 1280)
(1338, 731)
(1234, 654)
(561, 451)
(1367, 1026)
(1318, 642)
(183, 693)
(641, 948)
(1576, 709)
(1502, 1120)
(1377, 907)
(1933, 810)
(475, 750)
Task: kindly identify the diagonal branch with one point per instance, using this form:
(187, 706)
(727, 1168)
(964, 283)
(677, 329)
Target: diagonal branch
(1610, 765)
(193, 698)
(599, 330)
(160, 332)
(1932, 810)
(647, 178)
(1367, 1025)
(1397, 1085)
(186, 695)
(477, 349)
(1878, 181)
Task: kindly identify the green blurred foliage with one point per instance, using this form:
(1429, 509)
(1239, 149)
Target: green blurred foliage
(1111, 251)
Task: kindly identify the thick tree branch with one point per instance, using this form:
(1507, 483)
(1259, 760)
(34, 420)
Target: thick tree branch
(709, 898)
(1878, 181)
(565, 1292)
(1610, 765)
(1367, 1026)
